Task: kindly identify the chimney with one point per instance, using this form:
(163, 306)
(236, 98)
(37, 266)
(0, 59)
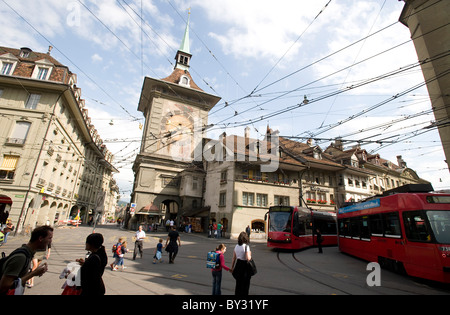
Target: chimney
(338, 145)
(400, 161)
(247, 132)
(49, 50)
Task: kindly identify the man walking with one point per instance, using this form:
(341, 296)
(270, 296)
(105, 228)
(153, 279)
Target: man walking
(139, 244)
(17, 265)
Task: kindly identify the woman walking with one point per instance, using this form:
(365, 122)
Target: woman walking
(241, 255)
(172, 248)
(217, 272)
(93, 267)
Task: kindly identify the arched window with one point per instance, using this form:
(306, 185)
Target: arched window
(184, 80)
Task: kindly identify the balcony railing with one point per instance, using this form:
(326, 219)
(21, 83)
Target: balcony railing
(15, 141)
(264, 180)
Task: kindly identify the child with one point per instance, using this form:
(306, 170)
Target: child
(217, 273)
(158, 252)
(117, 251)
(124, 250)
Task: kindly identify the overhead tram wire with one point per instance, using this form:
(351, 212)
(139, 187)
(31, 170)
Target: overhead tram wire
(289, 108)
(332, 126)
(342, 49)
(226, 103)
(356, 57)
(70, 60)
(129, 49)
(287, 51)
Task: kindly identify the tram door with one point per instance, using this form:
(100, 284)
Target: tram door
(304, 227)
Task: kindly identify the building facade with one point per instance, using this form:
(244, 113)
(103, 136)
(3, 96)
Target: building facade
(428, 23)
(53, 162)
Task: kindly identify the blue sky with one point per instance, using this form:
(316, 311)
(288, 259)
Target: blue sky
(259, 56)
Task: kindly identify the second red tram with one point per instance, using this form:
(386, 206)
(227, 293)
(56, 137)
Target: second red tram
(404, 231)
(294, 227)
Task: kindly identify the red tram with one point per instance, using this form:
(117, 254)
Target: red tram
(408, 231)
(294, 227)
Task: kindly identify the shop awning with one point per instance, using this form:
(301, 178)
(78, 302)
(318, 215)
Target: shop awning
(150, 209)
(5, 199)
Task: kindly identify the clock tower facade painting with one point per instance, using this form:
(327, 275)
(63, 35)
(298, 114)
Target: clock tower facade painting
(168, 169)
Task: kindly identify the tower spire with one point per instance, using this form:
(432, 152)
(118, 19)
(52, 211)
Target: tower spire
(183, 56)
(185, 43)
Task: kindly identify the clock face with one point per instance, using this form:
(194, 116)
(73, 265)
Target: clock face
(177, 128)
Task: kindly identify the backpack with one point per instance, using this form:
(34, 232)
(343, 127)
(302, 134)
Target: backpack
(17, 251)
(212, 260)
(116, 248)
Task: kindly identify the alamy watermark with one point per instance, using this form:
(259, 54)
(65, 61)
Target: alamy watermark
(74, 17)
(374, 277)
(184, 145)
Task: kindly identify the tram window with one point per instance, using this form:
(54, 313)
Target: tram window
(365, 232)
(440, 225)
(376, 225)
(355, 230)
(325, 227)
(296, 226)
(416, 227)
(308, 226)
(392, 225)
(344, 227)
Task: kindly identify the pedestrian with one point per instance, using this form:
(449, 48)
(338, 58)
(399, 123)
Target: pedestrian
(92, 268)
(167, 225)
(248, 231)
(36, 261)
(319, 240)
(139, 243)
(117, 253)
(7, 229)
(210, 230)
(219, 230)
(158, 252)
(15, 271)
(217, 272)
(122, 253)
(215, 230)
(241, 255)
(172, 240)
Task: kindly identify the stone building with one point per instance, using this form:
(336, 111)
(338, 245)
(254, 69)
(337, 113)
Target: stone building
(53, 163)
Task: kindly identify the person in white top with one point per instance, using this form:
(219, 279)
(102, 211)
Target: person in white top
(241, 255)
(139, 244)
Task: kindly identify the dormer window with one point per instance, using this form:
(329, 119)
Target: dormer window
(25, 52)
(8, 63)
(42, 70)
(42, 73)
(184, 80)
(6, 68)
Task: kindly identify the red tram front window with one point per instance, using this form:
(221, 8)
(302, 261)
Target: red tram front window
(280, 222)
(440, 225)
(416, 227)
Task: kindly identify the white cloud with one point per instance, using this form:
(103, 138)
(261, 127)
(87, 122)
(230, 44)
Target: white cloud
(96, 58)
(258, 28)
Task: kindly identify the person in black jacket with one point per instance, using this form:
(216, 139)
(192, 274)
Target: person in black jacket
(92, 268)
(319, 241)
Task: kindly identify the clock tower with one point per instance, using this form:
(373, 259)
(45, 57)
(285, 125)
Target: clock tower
(168, 170)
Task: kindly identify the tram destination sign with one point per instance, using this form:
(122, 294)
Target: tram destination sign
(361, 206)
